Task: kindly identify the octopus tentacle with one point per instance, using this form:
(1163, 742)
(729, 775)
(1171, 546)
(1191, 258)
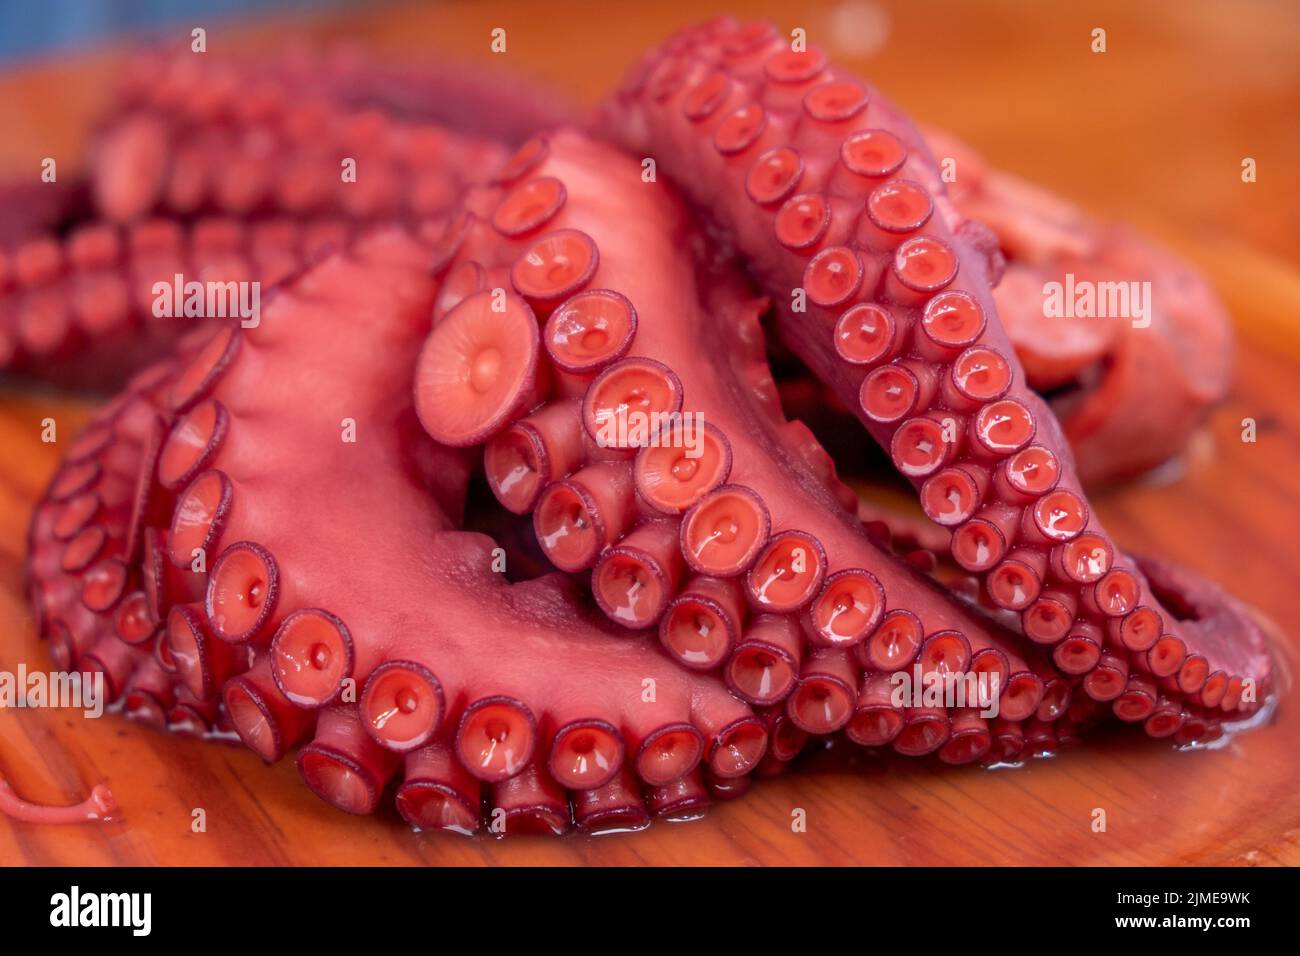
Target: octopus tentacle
(86, 535)
(495, 105)
(84, 572)
(95, 301)
(898, 302)
(1162, 689)
(741, 535)
(401, 168)
(1175, 364)
(229, 170)
(1089, 656)
(96, 807)
(245, 138)
(464, 677)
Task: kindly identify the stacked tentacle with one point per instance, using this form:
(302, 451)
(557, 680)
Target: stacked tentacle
(883, 290)
(191, 136)
(725, 531)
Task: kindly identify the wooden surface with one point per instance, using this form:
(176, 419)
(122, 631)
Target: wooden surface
(1153, 131)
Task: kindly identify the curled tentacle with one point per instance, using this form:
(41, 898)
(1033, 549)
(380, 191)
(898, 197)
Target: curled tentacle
(467, 686)
(868, 231)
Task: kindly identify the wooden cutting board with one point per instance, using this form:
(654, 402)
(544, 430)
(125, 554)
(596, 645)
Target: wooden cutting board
(1019, 83)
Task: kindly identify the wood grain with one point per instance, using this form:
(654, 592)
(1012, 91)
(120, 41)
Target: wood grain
(1153, 131)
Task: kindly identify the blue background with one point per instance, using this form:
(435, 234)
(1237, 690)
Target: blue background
(32, 27)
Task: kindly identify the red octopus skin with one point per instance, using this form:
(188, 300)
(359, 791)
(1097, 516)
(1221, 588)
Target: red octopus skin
(1175, 370)
(464, 685)
(826, 189)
